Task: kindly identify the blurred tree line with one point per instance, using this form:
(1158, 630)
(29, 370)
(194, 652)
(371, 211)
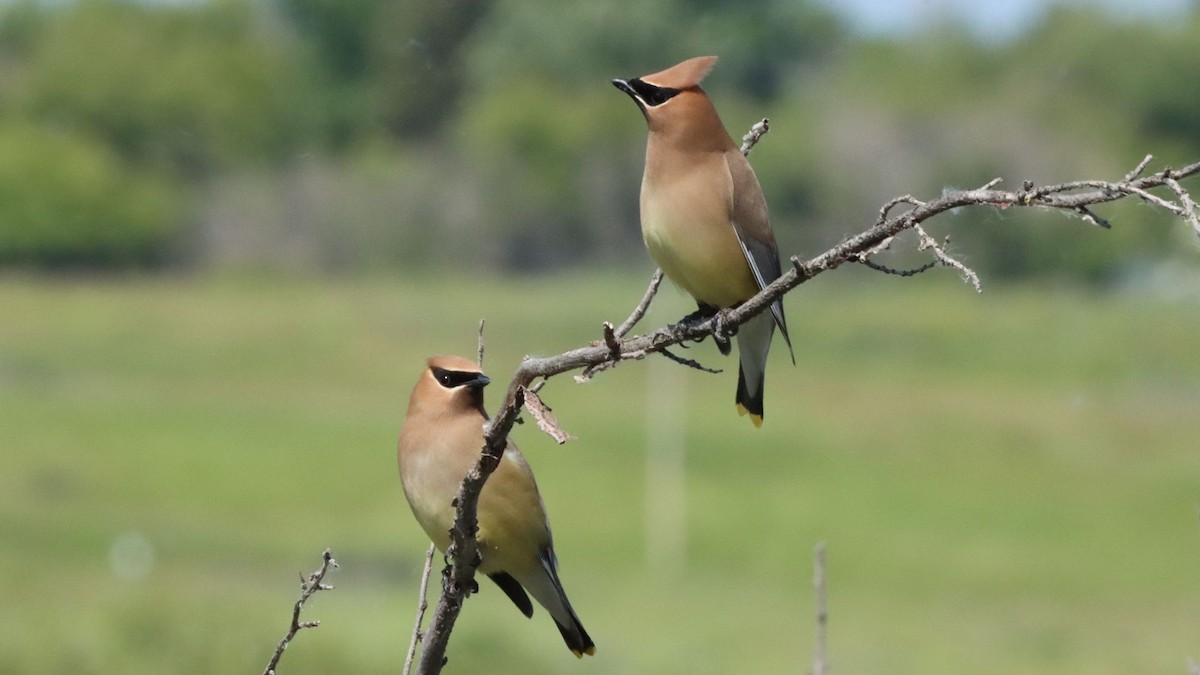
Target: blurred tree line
(347, 135)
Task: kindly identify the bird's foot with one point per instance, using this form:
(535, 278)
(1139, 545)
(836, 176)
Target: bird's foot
(702, 314)
(722, 333)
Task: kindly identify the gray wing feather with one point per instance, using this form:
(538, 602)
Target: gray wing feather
(752, 225)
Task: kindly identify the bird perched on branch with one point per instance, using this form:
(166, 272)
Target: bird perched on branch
(704, 217)
(440, 441)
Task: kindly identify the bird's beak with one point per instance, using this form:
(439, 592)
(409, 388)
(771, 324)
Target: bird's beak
(624, 86)
(478, 382)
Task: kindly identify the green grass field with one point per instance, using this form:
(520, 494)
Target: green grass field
(1007, 482)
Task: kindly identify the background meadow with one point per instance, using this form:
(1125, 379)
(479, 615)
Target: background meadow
(1006, 482)
(232, 231)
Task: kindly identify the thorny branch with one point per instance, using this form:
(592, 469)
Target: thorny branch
(307, 589)
(1074, 197)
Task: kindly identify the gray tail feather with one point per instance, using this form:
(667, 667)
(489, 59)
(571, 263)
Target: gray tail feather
(577, 639)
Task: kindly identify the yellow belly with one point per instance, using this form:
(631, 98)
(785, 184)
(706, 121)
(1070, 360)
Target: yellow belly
(511, 518)
(700, 255)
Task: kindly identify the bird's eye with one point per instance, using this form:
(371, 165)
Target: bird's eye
(652, 95)
(661, 96)
(455, 378)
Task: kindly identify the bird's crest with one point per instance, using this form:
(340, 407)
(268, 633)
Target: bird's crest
(682, 75)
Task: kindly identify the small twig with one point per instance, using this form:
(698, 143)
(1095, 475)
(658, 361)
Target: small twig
(479, 346)
(421, 605)
(612, 336)
(307, 589)
(1091, 217)
(688, 362)
(611, 340)
(886, 209)
(1188, 204)
(1137, 170)
(1152, 198)
(820, 649)
(591, 371)
(928, 242)
(892, 270)
(755, 134)
(640, 311)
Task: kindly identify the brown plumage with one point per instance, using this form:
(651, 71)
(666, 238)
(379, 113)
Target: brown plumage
(439, 442)
(704, 217)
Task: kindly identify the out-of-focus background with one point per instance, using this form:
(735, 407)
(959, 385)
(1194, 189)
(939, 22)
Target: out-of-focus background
(231, 231)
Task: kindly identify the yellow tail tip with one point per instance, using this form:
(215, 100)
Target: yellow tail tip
(756, 419)
(590, 651)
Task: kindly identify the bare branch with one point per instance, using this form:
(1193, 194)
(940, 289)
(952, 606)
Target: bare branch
(1187, 203)
(688, 362)
(463, 553)
(928, 242)
(640, 310)
(821, 648)
(307, 589)
(895, 272)
(1151, 198)
(893, 203)
(422, 605)
(1137, 170)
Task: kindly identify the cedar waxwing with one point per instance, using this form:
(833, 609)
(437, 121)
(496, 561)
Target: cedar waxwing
(441, 439)
(704, 218)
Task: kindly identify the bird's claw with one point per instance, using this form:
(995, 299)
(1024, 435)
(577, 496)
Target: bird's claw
(703, 313)
(721, 333)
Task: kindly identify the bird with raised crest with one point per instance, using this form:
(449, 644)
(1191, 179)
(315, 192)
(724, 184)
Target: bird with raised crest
(704, 217)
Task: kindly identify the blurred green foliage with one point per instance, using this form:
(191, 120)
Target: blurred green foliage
(69, 200)
(510, 151)
(182, 89)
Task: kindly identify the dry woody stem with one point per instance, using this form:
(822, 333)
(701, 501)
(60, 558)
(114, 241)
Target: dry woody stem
(308, 587)
(422, 603)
